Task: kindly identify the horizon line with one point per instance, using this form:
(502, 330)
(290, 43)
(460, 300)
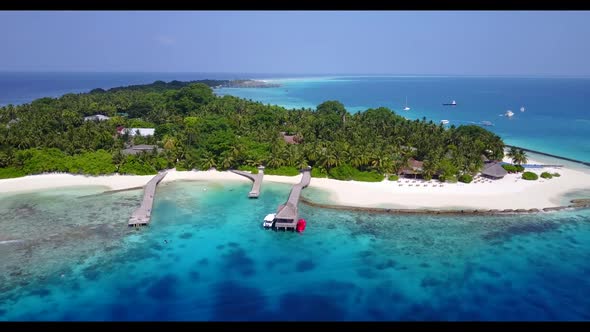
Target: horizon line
(285, 75)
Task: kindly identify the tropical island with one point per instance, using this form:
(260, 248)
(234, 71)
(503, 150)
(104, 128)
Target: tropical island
(373, 158)
(249, 84)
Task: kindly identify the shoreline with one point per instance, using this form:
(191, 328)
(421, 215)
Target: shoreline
(508, 195)
(576, 205)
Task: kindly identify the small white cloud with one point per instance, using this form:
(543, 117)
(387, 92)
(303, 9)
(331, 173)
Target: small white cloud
(165, 40)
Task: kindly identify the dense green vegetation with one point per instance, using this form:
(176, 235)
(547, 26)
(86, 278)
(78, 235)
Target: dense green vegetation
(11, 172)
(509, 168)
(556, 175)
(199, 130)
(318, 173)
(393, 177)
(530, 176)
(465, 178)
(283, 170)
(513, 168)
(251, 169)
(546, 175)
(346, 172)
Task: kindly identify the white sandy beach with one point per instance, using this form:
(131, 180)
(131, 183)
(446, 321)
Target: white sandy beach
(511, 192)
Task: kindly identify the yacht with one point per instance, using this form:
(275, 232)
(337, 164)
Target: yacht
(444, 122)
(509, 113)
(406, 108)
(522, 109)
(452, 103)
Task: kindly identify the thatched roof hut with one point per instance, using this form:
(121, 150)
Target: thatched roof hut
(290, 139)
(494, 171)
(137, 149)
(414, 167)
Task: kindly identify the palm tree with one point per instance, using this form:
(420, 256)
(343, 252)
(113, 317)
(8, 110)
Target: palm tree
(376, 162)
(387, 165)
(169, 142)
(275, 161)
(512, 152)
(328, 160)
(359, 159)
(227, 160)
(302, 164)
(208, 161)
(255, 161)
(520, 157)
(118, 159)
(290, 155)
(430, 167)
(313, 152)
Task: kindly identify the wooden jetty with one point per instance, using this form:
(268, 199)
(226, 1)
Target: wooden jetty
(256, 178)
(287, 214)
(143, 214)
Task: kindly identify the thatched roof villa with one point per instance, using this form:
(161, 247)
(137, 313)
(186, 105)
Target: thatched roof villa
(494, 170)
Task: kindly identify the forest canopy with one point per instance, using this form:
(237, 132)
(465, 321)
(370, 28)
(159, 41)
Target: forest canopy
(197, 129)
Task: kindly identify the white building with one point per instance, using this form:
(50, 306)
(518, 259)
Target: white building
(142, 131)
(97, 117)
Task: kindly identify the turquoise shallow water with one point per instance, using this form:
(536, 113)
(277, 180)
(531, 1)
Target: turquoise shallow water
(71, 258)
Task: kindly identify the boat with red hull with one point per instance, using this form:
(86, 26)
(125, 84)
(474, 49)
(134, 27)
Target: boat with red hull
(301, 225)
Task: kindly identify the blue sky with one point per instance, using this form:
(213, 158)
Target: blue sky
(305, 42)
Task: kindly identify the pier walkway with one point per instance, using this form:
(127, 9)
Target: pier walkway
(287, 214)
(256, 178)
(141, 216)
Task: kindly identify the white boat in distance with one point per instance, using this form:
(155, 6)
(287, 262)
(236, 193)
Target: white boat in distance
(452, 103)
(444, 122)
(509, 113)
(406, 108)
(522, 109)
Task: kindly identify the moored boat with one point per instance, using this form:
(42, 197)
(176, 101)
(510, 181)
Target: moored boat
(301, 225)
(269, 220)
(406, 108)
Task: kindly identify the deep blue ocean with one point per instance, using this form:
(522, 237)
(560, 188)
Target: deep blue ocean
(68, 255)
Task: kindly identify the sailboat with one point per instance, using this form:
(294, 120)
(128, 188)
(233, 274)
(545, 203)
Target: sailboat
(406, 108)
